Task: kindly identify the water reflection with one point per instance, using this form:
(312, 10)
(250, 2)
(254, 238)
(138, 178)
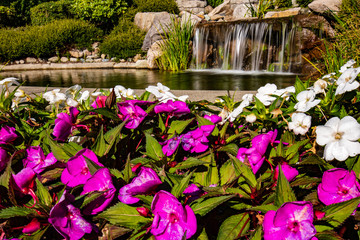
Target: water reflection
(140, 79)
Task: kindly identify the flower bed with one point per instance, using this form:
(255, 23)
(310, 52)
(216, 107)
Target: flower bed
(280, 164)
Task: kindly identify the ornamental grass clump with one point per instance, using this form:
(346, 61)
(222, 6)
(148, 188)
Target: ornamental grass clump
(279, 164)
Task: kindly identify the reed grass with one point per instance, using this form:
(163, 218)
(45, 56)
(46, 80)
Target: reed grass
(176, 46)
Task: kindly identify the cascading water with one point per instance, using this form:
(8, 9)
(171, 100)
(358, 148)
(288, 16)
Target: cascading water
(247, 46)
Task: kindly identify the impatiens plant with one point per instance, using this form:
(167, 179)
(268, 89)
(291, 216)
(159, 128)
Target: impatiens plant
(279, 164)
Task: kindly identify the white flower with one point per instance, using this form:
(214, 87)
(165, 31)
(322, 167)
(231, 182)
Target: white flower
(84, 96)
(300, 123)
(285, 92)
(320, 86)
(54, 96)
(8, 82)
(121, 91)
(306, 101)
(159, 91)
(236, 112)
(249, 97)
(346, 82)
(251, 118)
(72, 102)
(340, 138)
(73, 90)
(20, 93)
(264, 93)
(347, 65)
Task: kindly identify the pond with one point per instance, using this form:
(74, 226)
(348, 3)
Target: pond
(140, 79)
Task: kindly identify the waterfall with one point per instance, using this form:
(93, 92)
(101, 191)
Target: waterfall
(246, 46)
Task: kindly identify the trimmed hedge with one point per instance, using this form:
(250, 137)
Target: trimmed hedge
(45, 41)
(49, 11)
(124, 41)
(157, 6)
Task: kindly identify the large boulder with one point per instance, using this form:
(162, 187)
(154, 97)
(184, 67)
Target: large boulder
(315, 22)
(144, 20)
(286, 13)
(223, 9)
(192, 6)
(186, 16)
(321, 6)
(161, 24)
(153, 53)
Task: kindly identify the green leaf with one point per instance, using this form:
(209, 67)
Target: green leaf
(127, 170)
(57, 150)
(17, 212)
(203, 235)
(113, 136)
(283, 191)
(227, 173)
(316, 160)
(178, 127)
(236, 136)
(116, 173)
(99, 145)
(188, 163)
(234, 227)
(37, 235)
(242, 169)
(203, 121)
(43, 194)
(231, 148)
(336, 214)
(178, 189)
(264, 208)
(124, 215)
(258, 233)
(212, 176)
(299, 86)
(105, 112)
(328, 235)
(153, 148)
(161, 124)
(203, 207)
(84, 200)
(5, 177)
(92, 166)
(294, 149)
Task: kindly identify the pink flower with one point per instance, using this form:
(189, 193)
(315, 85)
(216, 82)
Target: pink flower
(4, 158)
(173, 108)
(36, 159)
(100, 181)
(196, 140)
(99, 102)
(213, 118)
(254, 158)
(171, 219)
(293, 220)
(77, 171)
(170, 146)
(64, 124)
(289, 172)
(338, 185)
(67, 219)
(145, 182)
(7, 135)
(133, 114)
(32, 227)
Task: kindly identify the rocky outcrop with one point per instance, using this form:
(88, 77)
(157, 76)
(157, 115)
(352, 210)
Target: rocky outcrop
(159, 27)
(322, 6)
(186, 16)
(153, 53)
(144, 20)
(192, 6)
(287, 13)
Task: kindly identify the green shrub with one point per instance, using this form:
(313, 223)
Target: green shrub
(45, 41)
(283, 3)
(49, 11)
(124, 41)
(215, 3)
(157, 6)
(7, 16)
(22, 10)
(104, 13)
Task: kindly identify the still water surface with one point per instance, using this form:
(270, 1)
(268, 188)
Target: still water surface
(140, 79)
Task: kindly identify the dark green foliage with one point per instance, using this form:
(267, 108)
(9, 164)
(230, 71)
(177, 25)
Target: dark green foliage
(50, 11)
(283, 3)
(215, 3)
(22, 9)
(304, 3)
(157, 6)
(44, 41)
(124, 41)
(7, 16)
